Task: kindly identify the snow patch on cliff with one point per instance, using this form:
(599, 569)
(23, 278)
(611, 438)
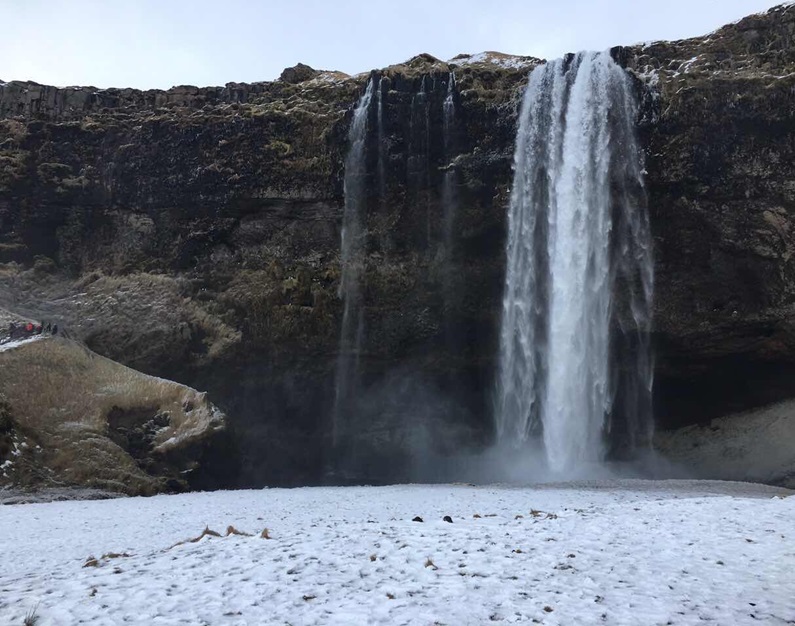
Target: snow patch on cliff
(508, 61)
(328, 78)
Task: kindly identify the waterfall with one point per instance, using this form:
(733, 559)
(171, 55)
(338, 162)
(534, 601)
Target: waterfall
(352, 263)
(449, 207)
(578, 285)
(419, 158)
(381, 143)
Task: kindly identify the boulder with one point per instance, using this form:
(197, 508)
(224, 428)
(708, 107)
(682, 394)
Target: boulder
(298, 73)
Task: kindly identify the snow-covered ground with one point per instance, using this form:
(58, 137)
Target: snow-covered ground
(623, 552)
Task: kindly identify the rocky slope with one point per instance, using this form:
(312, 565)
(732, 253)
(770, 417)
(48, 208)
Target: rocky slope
(71, 418)
(194, 234)
(754, 446)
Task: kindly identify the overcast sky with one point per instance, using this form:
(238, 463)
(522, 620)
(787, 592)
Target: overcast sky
(160, 43)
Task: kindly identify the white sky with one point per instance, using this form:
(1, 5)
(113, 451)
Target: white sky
(160, 43)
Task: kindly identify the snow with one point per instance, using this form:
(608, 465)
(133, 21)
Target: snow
(624, 552)
(497, 58)
(15, 343)
(649, 75)
(329, 77)
(684, 67)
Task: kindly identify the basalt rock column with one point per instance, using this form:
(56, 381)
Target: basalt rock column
(578, 236)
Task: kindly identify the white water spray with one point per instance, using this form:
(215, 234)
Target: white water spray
(578, 234)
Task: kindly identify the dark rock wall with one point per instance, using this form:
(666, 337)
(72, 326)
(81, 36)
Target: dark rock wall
(721, 148)
(194, 234)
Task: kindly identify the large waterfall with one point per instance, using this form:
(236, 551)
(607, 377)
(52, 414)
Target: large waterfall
(352, 262)
(574, 365)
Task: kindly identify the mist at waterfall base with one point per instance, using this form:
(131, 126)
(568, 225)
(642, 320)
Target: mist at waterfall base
(572, 398)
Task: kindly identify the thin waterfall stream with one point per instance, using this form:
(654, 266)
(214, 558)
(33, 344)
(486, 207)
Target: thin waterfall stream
(574, 363)
(352, 250)
(449, 209)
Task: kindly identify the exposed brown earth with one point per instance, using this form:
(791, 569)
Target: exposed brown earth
(71, 418)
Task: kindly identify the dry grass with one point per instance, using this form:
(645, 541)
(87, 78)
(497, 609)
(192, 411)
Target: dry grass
(50, 378)
(31, 617)
(96, 562)
(231, 530)
(157, 302)
(64, 393)
(543, 514)
(208, 532)
(14, 129)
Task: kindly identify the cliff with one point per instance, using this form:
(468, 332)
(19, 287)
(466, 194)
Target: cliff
(194, 234)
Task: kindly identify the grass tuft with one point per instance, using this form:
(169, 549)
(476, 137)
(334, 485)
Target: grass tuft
(543, 514)
(207, 532)
(31, 617)
(93, 561)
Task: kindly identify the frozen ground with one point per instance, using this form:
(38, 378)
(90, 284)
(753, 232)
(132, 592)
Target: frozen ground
(620, 552)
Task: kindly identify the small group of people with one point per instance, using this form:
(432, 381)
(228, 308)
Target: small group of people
(23, 330)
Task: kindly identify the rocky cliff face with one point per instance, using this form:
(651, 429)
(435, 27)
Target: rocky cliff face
(722, 193)
(195, 233)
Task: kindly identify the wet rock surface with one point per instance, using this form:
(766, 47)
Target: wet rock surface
(194, 234)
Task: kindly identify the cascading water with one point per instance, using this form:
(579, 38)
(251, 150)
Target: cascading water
(381, 143)
(449, 206)
(579, 268)
(352, 263)
(448, 182)
(419, 157)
